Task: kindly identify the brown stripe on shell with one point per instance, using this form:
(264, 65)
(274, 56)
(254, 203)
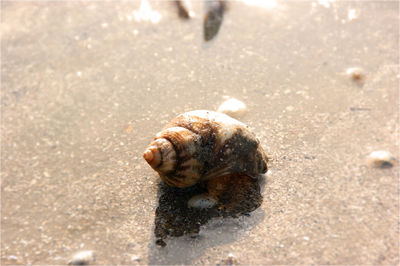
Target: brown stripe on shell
(171, 181)
(186, 145)
(195, 124)
(161, 160)
(180, 138)
(179, 180)
(167, 156)
(206, 129)
(190, 167)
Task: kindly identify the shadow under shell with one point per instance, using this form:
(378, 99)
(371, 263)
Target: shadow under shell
(237, 195)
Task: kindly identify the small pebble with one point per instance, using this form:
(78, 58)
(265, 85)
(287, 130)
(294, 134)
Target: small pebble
(381, 159)
(352, 14)
(356, 74)
(289, 108)
(202, 201)
(233, 108)
(135, 258)
(83, 258)
(129, 129)
(229, 261)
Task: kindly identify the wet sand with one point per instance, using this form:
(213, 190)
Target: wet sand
(86, 86)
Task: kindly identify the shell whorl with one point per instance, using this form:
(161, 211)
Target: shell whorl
(161, 155)
(177, 148)
(200, 145)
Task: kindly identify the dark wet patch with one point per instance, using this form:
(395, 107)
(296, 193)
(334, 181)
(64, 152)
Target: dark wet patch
(237, 195)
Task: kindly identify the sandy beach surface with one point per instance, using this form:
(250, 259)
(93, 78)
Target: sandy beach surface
(86, 85)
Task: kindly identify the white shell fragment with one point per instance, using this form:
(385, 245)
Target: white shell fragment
(230, 260)
(83, 258)
(233, 108)
(202, 201)
(381, 159)
(356, 74)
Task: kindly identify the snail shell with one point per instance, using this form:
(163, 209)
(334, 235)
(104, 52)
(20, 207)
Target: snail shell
(201, 145)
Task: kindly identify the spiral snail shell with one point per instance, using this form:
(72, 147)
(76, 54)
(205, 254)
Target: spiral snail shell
(201, 145)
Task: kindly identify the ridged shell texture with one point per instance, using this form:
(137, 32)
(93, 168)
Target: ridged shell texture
(200, 145)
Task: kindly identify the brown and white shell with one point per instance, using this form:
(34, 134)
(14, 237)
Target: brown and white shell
(200, 145)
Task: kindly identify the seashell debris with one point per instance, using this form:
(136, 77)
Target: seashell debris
(83, 258)
(381, 159)
(356, 74)
(233, 108)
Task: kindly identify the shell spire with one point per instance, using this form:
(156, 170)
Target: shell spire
(152, 156)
